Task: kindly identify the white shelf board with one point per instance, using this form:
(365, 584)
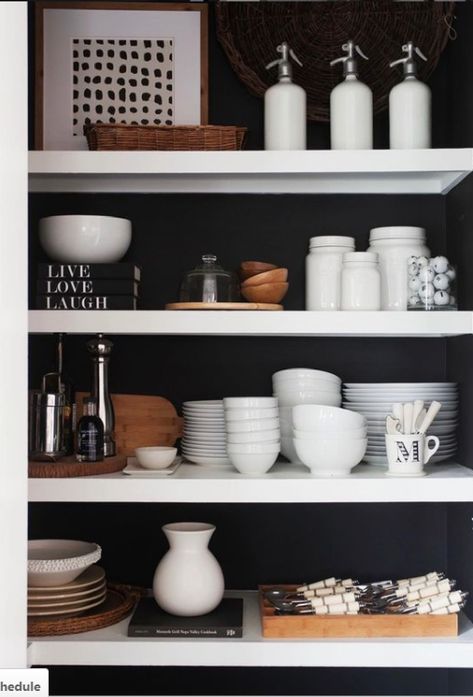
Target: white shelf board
(284, 484)
(111, 647)
(311, 171)
(253, 323)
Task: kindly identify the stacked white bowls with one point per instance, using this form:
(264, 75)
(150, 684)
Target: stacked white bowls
(203, 440)
(302, 386)
(375, 402)
(253, 435)
(328, 440)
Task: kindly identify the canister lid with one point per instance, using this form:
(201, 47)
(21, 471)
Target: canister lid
(366, 257)
(332, 241)
(397, 232)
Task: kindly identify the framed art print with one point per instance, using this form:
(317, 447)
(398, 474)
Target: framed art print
(118, 62)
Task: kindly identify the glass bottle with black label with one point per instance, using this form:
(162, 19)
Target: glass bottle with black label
(90, 434)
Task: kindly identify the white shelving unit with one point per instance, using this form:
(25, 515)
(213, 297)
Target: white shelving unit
(284, 484)
(248, 323)
(255, 172)
(112, 647)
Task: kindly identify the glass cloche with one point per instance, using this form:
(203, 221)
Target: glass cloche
(210, 283)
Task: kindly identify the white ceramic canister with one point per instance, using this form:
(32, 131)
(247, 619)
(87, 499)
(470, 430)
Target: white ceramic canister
(324, 270)
(395, 245)
(361, 281)
(188, 580)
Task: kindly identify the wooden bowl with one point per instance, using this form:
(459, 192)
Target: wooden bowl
(273, 276)
(251, 268)
(265, 293)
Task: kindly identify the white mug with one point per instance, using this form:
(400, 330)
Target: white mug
(407, 454)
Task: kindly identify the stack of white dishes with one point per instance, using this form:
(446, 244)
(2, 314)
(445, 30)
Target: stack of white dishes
(302, 386)
(375, 401)
(253, 435)
(203, 440)
(63, 578)
(328, 440)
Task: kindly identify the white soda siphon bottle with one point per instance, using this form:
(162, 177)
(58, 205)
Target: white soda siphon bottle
(351, 106)
(285, 112)
(410, 106)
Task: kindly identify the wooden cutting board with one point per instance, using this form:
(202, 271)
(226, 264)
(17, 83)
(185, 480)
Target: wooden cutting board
(141, 420)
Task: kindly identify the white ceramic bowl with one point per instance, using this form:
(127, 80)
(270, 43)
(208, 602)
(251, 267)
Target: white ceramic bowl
(305, 373)
(291, 398)
(89, 239)
(245, 414)
(250, 448)
(252, 426)
(250, 402)
(306, 417)
(324, 385)
(351, 434)
(155, 457)
(330, 457)
(255, 437)
(289, 451)
(254, 463)
(56, 562)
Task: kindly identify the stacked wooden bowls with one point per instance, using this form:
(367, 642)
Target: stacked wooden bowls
(262, 282)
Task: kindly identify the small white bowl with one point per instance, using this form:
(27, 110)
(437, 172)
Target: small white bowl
(330, 457)
(250, 402)
(250, 448)
(292, 398)
(155, 457)
(351, 434)
(306, 417)
(245, 414)
(56, 562)
(252, 426)
(253, 463)
(303, 373)
(87, 239)
(255, 437)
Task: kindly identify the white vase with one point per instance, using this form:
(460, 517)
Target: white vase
(188, 580)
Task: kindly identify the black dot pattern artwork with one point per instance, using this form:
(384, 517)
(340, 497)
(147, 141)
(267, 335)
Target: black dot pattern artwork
(123, 92)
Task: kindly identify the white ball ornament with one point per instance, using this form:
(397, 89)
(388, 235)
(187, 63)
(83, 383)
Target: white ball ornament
(441, 298)
(427, 292)
(440, 264)
(441, 281)
(415, 284)
(412, 260)
(451, 273)
(412, 269)
(414, 300)
(426, 274)
(422, 261)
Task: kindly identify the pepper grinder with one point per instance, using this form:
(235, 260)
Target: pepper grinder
(100, 350)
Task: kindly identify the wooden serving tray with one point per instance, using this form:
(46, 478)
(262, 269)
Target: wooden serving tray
(223, 306)
(341, 626)
(69, 467)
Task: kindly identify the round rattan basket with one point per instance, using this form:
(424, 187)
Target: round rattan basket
(250, 31)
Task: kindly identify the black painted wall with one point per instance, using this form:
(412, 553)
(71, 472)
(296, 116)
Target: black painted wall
(274, 543)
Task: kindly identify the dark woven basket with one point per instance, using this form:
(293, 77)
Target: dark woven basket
(104, 136)
(250, 31)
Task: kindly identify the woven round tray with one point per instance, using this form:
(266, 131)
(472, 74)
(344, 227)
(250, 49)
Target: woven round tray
(250, 31)
(69, 467)
(119, 603)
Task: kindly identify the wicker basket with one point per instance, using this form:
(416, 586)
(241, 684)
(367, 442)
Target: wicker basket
(104, 136)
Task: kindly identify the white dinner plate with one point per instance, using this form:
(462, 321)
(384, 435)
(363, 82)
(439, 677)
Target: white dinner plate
(215, 438)
(35, 594)
(203, 403)
(37, 602)
(209, 461)
(387, 385)
(65, 609)
(94, 574)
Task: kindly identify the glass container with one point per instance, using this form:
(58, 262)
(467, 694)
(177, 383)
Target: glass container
(431, 284)
(210, 283)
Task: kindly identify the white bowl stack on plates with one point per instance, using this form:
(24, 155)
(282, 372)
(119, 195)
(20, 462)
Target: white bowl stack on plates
(302, 386)
(253, 435)
(375, 401)
(328, 440)
(203, 440)
(63, 578)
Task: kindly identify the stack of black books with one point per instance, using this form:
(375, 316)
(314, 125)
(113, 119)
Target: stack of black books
(87, 286)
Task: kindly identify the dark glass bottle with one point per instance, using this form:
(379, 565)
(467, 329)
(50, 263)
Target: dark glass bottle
(70, 411)
(90, 440)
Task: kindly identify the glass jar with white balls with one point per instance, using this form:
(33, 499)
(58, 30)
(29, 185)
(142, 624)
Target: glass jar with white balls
(431, 284)
(394, 245)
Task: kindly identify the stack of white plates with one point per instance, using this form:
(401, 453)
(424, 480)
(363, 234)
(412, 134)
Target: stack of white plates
(203, 440)
(87, 591)
(375, 400)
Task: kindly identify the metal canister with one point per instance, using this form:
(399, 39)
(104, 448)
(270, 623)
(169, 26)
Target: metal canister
(46, 420)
